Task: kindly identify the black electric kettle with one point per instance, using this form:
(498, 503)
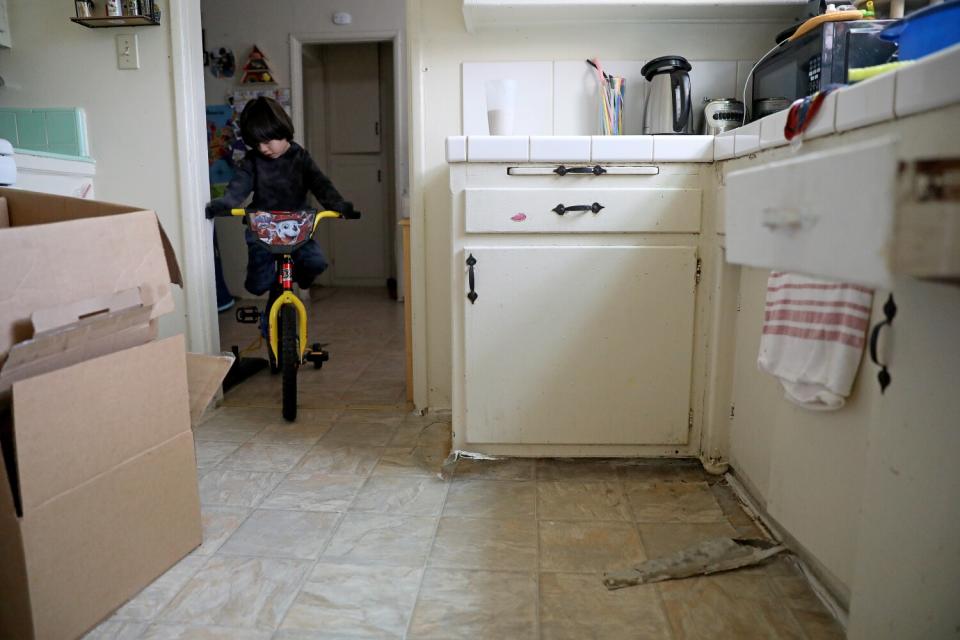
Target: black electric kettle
(667, 108)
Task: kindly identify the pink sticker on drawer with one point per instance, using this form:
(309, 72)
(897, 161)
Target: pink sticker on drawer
(520, 217)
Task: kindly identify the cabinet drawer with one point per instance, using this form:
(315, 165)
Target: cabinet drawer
(826, 214)
(530, 210)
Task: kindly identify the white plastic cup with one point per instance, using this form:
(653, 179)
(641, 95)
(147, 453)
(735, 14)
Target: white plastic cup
(501, 103)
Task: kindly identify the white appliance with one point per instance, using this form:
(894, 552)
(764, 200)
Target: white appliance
(8, 167)
(57, 175)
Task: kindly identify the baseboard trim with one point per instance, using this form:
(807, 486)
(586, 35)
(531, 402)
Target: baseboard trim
(831, 592)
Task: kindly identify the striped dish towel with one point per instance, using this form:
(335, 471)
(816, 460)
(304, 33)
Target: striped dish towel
(813, 337)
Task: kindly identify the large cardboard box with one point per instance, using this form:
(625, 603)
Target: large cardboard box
(99, 492)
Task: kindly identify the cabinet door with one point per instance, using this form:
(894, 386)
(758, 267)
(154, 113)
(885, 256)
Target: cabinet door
(353, 79)
(579, 345)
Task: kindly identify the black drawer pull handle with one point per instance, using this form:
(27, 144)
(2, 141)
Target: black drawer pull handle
(889, 311)
(560, 209)
(596, 170)
(472, 296)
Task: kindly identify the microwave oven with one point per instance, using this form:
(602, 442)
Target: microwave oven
(819, 58)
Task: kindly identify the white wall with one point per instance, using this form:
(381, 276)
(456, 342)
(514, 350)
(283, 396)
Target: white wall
(438, 45)
(130, 114)
(240, 24)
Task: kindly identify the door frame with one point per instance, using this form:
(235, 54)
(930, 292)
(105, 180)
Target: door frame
(196, 255)
(402, 98)
(395, 37)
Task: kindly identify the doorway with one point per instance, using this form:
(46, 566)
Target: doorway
(348, 129)
(343, 100)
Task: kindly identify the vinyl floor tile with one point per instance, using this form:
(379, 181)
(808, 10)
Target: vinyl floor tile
(369, 601)
(486, 543)
(406, 495)
(582, 501)
(282, 534)
(375, 538)
(252, 593)
(314, 492)
(589, 546)
(578, 606)
(492, 499)
(475, 604)
(673, 502)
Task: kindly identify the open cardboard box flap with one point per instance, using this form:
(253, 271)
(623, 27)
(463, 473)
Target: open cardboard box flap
(59, 250)
(205, 374)
(76, 332)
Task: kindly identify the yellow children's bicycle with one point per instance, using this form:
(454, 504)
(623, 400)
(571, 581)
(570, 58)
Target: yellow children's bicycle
(284, 320)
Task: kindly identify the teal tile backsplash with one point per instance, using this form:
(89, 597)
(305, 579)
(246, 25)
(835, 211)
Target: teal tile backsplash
(51, 130)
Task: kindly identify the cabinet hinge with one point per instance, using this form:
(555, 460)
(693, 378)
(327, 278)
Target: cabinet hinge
(732, 410)
(690, 419)
(699, 270)
(378, 176)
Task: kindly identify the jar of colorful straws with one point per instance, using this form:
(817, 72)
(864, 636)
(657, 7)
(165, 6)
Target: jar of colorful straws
(611, 90)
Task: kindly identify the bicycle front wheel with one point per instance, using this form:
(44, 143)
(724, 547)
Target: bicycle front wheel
(289, 360)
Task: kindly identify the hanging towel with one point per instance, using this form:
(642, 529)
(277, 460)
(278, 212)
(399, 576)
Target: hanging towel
(813, 337)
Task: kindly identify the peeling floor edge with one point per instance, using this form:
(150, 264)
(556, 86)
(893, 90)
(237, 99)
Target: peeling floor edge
(771, 529)
(446, 469)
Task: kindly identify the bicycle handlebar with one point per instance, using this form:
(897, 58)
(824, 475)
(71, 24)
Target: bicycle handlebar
(320, 214)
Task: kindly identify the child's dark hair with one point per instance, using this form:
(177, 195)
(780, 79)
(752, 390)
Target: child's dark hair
(262, 120)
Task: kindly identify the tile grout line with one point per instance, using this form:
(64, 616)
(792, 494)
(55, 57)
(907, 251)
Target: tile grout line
(537, 623)
(426, 560)
(309, 572)
(636, 526)
(207, 559)
(326, 545)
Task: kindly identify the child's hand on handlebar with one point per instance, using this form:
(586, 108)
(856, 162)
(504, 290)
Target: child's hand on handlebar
(216, 209)
(346, 210)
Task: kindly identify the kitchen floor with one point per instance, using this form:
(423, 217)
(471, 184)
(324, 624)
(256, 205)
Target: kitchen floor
(343, 526)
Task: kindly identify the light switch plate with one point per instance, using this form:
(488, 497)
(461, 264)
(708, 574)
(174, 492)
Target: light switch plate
(128, 53)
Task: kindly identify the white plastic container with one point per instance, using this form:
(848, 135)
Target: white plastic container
(501, 104)
(8, 167)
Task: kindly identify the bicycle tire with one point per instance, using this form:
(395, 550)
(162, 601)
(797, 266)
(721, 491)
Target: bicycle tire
(289, 360)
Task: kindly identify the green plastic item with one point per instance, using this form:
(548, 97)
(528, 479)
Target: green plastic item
(56, 131)
(858, 75)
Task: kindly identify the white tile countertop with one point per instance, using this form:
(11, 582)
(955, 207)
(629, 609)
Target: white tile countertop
(926, 84)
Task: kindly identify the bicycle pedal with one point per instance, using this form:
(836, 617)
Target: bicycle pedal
(248, 315)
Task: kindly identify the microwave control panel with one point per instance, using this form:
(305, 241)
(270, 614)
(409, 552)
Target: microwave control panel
(813, 75)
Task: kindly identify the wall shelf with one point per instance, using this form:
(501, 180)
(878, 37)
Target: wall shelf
(104, 22)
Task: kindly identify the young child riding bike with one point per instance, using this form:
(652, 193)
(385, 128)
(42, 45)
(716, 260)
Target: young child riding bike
(279, 173)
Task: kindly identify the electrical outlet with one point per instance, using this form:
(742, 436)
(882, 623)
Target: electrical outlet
(128, 54)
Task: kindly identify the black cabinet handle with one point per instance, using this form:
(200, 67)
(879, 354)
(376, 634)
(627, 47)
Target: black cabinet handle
(561, 209)
(472, 296)
(889, 311)
(596, 170)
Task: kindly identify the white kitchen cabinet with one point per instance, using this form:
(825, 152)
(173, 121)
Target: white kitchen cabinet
(577, 344)
(575, 334)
